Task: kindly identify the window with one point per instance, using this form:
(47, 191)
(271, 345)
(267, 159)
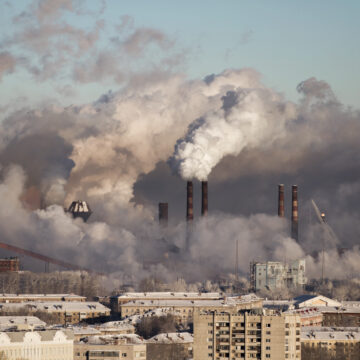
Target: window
(268, 340)
(268, 333)
(268, 325)
(267, 348)
(267, 355)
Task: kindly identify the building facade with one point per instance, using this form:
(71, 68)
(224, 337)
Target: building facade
(9, 264)
(246, 335)
(37, 345)
(274, 275)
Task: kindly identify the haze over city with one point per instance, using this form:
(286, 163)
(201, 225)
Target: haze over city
(120, 103)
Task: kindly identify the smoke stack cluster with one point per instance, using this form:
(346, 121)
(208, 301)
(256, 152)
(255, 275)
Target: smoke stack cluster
(204, 198)
(281, 209)
(163, 214)
(294, 213)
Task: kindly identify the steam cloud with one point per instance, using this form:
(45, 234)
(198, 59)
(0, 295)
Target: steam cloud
(93, 152)
(230, 128)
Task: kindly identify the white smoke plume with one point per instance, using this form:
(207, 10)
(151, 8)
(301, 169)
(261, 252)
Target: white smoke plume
(250, 116)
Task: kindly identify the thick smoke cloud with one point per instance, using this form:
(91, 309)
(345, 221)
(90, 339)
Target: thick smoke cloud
(251, 116)
(112, 153)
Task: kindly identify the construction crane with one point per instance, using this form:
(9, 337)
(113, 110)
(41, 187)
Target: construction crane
(328, 232)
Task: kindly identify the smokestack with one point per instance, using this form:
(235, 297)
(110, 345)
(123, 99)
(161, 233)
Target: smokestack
(163, 214)
(189, 202)
(204, 198)
(281, 211)
(294, 213)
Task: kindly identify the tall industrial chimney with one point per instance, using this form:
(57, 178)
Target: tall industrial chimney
(189, 202)
(281, 211)
(294, 214)
(163, 214)
(204, 198)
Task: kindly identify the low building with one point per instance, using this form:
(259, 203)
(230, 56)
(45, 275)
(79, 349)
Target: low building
(66, 312)
(23, 298)
(254, 333)
(8, 323)
(330, 339)
(10, 264)
(275, 275)
(108, 328)
(117, 301)
(131, 347)
(170, 346)
(35, 345)
(314, 301)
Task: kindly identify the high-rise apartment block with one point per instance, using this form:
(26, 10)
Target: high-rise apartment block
(253, 334)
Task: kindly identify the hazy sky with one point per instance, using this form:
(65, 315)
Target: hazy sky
(286, 41)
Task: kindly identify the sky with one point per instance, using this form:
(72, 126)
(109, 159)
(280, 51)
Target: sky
(119, 103)
(286, 41)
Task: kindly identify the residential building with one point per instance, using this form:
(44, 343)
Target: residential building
(117, 301)
(252, 334)
(170, 346)
(332, 339)
(21, 298)
(20, 323)
(183, 310)
(37, 345)
(65, 312)
(129, 347)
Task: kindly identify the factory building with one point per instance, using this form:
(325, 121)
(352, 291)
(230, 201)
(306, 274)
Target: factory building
(10, 264)
(247, 334)
(275, 275)
(34, 345)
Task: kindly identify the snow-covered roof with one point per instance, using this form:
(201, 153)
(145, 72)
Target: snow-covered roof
(314, 300)
(7, 322)
(331, 335)
(40, 296)
(113, 339)
(171, 338)
(168, 295)
(58, 306)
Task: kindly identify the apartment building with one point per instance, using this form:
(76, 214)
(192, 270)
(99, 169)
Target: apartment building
(129, 347)
(252, 334)
(117, 301)
(170, 346)
(65, 312)
(20, 323)
(331, 339)
(36, 345)
(23, 298)
(184, 309)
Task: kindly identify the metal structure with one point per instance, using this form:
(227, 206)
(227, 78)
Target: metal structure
(204, 198)
(294, 213)
(46, 259)
(189, 202)
(281, 209)
(163, 214)
(80, 209)
(328, 233)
